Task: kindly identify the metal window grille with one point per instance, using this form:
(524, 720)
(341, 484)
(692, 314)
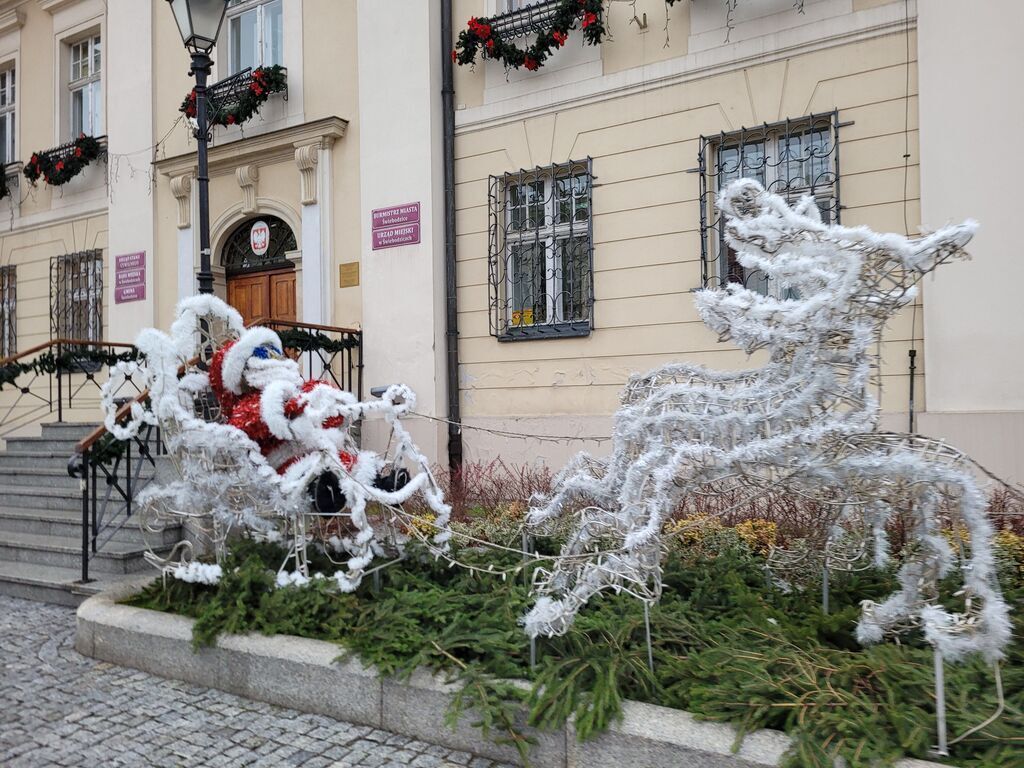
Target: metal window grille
(523, 17)
(793, 158)
(76, 296)
(8, 312)
(239, 258)
(541, 254)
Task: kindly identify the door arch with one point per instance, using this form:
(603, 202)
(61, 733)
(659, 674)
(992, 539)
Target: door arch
(261, 280)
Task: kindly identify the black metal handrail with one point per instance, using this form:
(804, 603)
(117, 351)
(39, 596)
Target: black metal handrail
(45, 381)
(110, 477)
(331, 353)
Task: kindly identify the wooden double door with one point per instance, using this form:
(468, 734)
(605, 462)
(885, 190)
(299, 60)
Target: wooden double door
(263, 295)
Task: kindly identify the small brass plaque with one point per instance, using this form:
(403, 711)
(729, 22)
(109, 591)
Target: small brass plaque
(349, 274)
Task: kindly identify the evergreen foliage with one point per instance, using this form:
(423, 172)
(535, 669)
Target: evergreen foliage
(766, 657)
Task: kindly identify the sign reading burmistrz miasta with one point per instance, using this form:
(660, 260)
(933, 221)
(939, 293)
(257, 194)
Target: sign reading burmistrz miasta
(395, 226)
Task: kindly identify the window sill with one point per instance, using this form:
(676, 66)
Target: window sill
(555, 331)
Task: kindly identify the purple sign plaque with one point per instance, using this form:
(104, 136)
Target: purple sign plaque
(392, 237)
(395, 226)
(130, 277)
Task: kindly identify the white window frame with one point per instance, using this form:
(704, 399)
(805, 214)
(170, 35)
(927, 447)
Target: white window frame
(89, 85)
(237, 9)
(8, 113)
(554, 231)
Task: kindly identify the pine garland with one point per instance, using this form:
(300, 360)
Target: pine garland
(306, 341)
(264, 81)
(64, 169)
(480, 38)
(48, 363)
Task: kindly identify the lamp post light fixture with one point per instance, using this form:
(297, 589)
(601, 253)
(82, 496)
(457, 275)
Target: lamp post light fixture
(199, 22)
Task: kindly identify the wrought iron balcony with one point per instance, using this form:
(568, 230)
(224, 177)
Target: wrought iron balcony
(67, 150)
(227, 93)
(524, 21)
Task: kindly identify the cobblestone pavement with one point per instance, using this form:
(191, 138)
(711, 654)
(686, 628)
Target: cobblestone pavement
(58, 708)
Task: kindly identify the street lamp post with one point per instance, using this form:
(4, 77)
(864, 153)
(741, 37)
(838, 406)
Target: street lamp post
(199, 22)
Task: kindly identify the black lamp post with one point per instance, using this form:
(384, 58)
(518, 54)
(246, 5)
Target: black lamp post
(199, 22)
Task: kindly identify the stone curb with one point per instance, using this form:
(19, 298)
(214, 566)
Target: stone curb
(307, 675)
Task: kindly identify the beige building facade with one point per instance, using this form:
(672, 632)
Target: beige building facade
(583, 192)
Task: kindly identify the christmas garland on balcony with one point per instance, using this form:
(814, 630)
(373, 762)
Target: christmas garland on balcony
(56, 169)
(480, 38)
(264, 82)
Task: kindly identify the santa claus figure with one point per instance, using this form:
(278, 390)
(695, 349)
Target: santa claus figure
(262, 393)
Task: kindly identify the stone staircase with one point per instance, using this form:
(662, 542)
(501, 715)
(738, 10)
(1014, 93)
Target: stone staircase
(41, 524)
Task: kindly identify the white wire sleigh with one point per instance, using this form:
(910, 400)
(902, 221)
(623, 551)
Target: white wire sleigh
(225, 484)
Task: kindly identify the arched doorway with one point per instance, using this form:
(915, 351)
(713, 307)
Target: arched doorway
(261, 279)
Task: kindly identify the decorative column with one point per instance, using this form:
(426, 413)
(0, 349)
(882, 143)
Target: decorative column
(248, 177)
(181, 188)
(314, 162)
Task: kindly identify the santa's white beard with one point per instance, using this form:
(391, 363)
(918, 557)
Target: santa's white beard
(259, 373)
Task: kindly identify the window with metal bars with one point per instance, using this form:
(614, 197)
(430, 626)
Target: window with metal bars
(8, 311)
(792, 158)
(76, 296)
(540, 261)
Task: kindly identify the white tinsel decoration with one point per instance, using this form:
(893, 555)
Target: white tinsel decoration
(226, 484)
(805, 424)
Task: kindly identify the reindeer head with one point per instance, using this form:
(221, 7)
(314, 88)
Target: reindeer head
(840, 279)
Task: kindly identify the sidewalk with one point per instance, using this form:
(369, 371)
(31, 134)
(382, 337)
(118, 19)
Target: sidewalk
(58, 708)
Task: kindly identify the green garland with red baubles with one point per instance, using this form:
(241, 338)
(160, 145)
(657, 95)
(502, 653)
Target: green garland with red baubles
(479, 37)
(263, 82)
(59, 168)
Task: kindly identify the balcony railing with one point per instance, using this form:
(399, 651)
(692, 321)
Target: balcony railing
(524, 21)
(66, 150)
(228, 92)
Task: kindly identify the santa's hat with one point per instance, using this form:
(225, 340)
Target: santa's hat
(230, 361)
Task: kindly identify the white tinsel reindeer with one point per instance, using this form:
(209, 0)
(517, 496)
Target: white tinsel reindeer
(805, 424)
(259, 448)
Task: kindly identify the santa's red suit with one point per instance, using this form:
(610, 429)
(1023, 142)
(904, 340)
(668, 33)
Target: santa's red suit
(239, 371)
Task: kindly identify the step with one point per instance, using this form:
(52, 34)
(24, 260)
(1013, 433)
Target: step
(66, 552)
(35, 459)
(47, 584)
(30, 497)
(59, 478)
(61, 444)
(68, 430)
(68, 524)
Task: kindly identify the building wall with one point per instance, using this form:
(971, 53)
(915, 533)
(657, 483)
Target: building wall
(41, 222)
(973, 316)
(639, 115)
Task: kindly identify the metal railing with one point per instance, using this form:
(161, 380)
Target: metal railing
(324, 352)
(113, 472)
(521, 22)
(50, 376)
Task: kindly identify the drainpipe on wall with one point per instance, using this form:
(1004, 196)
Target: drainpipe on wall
(451, 296)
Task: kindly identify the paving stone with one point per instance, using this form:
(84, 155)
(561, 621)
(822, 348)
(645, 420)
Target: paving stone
(63, 709)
